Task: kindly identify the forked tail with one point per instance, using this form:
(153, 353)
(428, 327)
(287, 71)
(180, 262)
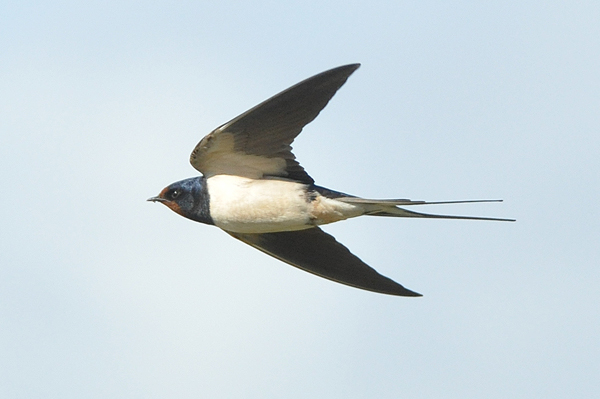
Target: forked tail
(390, 207)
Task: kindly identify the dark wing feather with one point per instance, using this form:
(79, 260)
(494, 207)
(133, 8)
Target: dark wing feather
(257, 143)
(319, 253)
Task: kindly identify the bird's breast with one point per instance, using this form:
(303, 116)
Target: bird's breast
(244, 205)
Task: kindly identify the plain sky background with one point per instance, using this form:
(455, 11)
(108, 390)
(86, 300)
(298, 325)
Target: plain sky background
(104, 295)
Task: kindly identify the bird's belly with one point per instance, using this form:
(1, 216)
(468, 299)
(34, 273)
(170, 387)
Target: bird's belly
(244, 205)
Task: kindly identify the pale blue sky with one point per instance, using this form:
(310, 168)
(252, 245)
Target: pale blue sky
(105, 295)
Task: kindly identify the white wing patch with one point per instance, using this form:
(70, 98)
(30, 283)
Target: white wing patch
(215, 155)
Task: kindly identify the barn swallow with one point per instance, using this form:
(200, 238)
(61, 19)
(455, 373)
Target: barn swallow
(253, 188)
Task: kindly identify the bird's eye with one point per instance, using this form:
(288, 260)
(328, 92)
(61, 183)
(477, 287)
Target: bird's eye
(173, 194)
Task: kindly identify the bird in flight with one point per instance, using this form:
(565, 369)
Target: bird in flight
(253, 188)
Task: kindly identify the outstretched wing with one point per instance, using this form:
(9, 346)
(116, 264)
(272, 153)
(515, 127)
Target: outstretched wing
(257, 143)
(319, 253)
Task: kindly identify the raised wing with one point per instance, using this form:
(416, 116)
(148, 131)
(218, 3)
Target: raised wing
(319, 253)
(257, 143)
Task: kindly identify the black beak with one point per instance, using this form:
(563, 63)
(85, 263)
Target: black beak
(156, 199)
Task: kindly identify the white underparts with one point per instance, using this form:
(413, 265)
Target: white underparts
(245, 205)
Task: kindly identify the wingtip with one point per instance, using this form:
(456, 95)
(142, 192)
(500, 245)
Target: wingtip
(396, 289)
(350, 68)
(409, 293)
(353, 67)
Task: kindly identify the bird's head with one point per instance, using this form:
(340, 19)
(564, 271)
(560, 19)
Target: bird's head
(188, 197)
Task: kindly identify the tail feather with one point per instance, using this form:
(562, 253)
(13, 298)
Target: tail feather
(358, 200)
(389, 207)
(400, 212)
